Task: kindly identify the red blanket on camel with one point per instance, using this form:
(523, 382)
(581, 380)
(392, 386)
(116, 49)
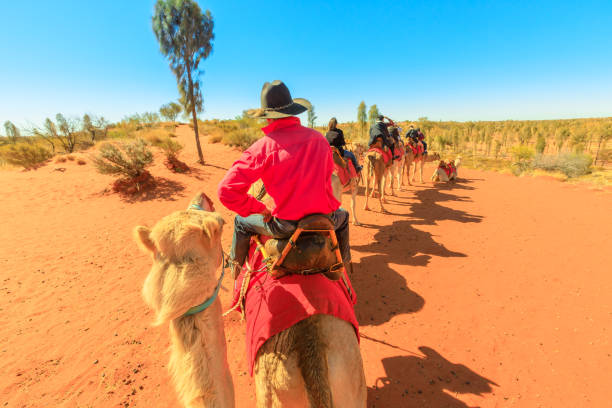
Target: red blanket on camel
(273, 305)
(385, 154)
(345, 174)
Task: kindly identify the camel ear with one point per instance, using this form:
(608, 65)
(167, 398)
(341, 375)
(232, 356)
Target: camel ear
(212, 227)
(142, 236)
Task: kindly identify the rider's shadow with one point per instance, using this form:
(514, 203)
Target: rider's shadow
(425, 381)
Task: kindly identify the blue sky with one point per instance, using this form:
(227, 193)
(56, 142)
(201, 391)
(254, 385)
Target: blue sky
(447, 60)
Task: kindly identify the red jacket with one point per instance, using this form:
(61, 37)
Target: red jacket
(295, 164)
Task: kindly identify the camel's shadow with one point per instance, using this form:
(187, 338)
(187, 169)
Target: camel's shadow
(402, 244)
(425, 381)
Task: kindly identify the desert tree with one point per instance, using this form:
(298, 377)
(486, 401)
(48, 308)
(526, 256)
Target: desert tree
(102, 125)
(48, 133)
(67, 132)
(362, 118)
(561, 136)
(373, 114)
(12, 132)
(88, 127)
(605, 134)
(185, 37)
(170, 111)
(312, 117)
(540, 143)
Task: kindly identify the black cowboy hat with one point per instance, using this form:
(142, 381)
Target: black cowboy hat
(276, 102)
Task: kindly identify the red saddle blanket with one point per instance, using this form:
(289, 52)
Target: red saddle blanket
(399, 152)
(345, 175)
(385, 154)
(273, 305)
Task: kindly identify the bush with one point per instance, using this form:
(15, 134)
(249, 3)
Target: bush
(572, 165)
(26, 155)
(215, 138)
(127, 159)
(171, 148)
(241, 138)
(521, 158)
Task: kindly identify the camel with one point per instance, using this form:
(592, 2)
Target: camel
(186, 251)
(351, 185)
(396, 170)
(314, 363)
(420, 159)
(375, 169)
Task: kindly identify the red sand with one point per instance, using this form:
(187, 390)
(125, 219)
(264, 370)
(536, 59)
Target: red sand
(493, 292)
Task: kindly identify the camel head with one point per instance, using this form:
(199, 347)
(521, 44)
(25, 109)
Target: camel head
(186, 250)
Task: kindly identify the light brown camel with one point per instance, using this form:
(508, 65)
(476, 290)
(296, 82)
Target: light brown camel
(419, 161)
(375, 169)
(186, 251)
(397, 168)
(351, 186)
(315, 363)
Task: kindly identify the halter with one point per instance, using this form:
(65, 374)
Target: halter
(203, 306)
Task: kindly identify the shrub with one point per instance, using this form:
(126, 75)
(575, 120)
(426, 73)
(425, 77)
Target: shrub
(61, 159)
(572, 165)
(521, 158)
(26, 155)
(241, 138)
(127, 159)
(215, 138)
(171, 148)
(81, 162)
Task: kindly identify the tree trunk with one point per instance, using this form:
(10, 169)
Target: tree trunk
(195, 118)
(597, 154)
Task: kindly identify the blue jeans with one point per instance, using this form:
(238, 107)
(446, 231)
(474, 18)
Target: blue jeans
(246, 227)
(351, 156)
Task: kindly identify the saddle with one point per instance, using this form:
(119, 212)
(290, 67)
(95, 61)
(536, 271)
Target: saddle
(338, 158)
(313, 248)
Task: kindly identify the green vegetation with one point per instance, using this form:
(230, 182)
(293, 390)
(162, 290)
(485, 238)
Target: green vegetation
(127, 159)
(28, 156)
(170, 111)
(185, 37)
(311, 117)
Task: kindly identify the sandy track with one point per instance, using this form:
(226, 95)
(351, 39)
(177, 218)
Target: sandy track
(493, 292)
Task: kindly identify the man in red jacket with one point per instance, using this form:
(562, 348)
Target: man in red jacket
(295, 164)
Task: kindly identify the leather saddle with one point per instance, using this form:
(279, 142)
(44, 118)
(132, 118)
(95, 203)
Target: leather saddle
(313, 248)
(338, 158)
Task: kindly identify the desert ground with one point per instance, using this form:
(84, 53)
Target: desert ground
(491, 292)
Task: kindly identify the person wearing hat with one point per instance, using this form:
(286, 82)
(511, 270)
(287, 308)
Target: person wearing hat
(379, 130)
(295, 164)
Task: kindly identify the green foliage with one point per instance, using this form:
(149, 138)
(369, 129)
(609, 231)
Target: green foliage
(362, 118)
(12, 132)
(170, 111)
(373, 114)
(25, 155)
(572, 165)
(127, 159)
(578, 141)
(185, 37)
(88, 127)
(68, 134)
(540, 144)
(170, 147)
(521, 158)
(498, 146)
(311, 117)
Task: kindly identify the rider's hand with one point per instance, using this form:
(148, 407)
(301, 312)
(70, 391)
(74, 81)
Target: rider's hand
(267, 215)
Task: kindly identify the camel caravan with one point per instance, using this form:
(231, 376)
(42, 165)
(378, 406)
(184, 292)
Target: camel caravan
(290, 260)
